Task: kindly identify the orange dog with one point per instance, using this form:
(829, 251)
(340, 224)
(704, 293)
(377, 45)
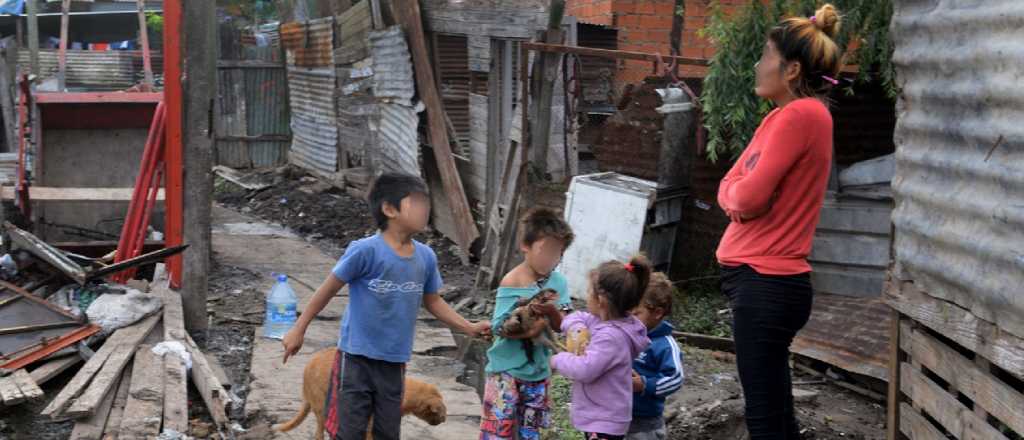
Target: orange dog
(421, 399)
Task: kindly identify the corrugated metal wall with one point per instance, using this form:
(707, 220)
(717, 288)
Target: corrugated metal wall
(398, 149)
(267, 114)
(95, 70)
(311, 86)
(959, 182)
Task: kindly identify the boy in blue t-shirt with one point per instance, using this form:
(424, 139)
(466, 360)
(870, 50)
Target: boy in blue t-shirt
(389, 276)
(658, 371)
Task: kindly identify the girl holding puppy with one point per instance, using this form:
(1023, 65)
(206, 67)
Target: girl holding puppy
(602, 390)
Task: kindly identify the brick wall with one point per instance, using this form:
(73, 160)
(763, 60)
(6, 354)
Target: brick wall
(646, 26)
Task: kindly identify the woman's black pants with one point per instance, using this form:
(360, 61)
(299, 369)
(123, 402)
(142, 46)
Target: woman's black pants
(767, 312)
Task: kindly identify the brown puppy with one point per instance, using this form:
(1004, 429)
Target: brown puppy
(421, 399)
(522, 319)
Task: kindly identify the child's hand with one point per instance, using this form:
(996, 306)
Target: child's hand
(292, 342)
(638, 383)
(481, 329)
(544, 309)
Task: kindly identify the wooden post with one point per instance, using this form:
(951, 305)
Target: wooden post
(31, 8)
(893, 404)
(62, 54)
(147, 65)
(8, 59)
(200, 49)
(407, 14)
(545, 70)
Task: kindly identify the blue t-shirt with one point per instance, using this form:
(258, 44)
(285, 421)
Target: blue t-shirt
(385, 294)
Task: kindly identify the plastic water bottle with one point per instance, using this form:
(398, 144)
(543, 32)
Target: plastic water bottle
(281, 304)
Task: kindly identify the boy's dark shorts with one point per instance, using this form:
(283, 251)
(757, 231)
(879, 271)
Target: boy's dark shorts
(362, 387)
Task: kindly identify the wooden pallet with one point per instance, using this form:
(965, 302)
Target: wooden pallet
(949, 377)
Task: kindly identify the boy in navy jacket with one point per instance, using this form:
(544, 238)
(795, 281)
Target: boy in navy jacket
(658, 371)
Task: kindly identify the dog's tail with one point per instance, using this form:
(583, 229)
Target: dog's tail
(296, 421)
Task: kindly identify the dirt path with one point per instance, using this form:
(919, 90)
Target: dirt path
(274, 390)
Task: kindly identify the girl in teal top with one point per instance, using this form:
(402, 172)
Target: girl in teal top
(516, 393)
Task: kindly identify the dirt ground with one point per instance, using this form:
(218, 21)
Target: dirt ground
(710, 404)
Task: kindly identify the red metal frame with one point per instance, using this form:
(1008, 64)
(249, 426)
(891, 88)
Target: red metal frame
(173, 155)
(98, 97)
(23, 132)
(147, 186)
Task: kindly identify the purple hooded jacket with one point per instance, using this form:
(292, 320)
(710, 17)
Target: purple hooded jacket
(602, 389)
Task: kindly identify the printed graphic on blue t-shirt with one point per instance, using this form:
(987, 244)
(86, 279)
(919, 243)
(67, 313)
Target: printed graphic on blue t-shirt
(385, 294)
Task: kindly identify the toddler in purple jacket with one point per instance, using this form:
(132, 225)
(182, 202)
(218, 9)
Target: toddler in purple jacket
(602, 390)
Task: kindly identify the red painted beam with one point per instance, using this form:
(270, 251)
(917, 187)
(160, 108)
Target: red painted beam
(174, 155)
(43, 98)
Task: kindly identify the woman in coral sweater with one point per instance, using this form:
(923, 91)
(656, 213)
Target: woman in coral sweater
(773, 196)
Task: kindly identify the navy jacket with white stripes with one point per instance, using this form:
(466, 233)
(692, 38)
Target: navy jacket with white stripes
(661, 367)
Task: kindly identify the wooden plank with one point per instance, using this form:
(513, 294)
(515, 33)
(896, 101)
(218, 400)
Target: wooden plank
(915, 426)
(209, 386)
(52, 368)
(113, 426)
(893, 422)
(407, 14)
(125, 336)
(31, 9)
(106, 379)
(944, 408)
(10, 394)
(147, 64)
(144, 407)
(92, 427)
(29, 388)
(62, 51)
(987, 392)
(175, 377)
(8, 60)
(982, 337)
(42, 193)
(613, 54)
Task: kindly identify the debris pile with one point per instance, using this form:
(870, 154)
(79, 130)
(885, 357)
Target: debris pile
(58, 311)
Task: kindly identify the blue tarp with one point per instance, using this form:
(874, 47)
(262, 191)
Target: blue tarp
(13, 7)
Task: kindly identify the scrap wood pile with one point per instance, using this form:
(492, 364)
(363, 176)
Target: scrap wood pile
(56, 312)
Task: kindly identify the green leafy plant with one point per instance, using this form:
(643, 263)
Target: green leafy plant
(731, 109)
(154, 22)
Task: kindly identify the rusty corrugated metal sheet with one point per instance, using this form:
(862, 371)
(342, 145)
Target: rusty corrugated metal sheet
(397, 129)
(452, 54)
(392, 66)
(850, 333)
(311, 87)
(399, 144)
(229, 118)
(313, 119)
(310, 43)
(95, 70)
(267, 114)
(959, 182)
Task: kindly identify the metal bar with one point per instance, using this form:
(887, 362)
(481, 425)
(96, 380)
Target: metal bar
(258, 138)
(248, 64)
(29, 296)
(173, 153)
(613, 54)
(147, 65)
(151, 257)
(45, 252)
(49, 347)
(149, 161)
(36, 327)
(62, 54)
